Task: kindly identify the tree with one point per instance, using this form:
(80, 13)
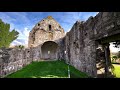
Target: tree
(119, 54)
(114, 58)
(6, 36)
(117, 44)
(19, 46)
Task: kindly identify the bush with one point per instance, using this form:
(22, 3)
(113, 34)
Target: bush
(20, 46)
(114, 58)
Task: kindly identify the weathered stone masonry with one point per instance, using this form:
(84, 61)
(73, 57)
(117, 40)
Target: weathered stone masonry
(46, 30)
(44, 35)
(12, 60)
(77, 47)
(80, 49)
(84, 37)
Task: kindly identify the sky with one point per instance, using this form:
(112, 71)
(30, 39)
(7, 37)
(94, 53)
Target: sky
(113, 49)
(23, 22)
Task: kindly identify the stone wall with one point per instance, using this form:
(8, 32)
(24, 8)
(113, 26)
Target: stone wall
(106, 24)
(80, 50)
(12, 60)
(82, 40)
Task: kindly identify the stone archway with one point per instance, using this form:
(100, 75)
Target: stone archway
(49, 50)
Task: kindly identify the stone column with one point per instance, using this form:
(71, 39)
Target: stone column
(107, 59)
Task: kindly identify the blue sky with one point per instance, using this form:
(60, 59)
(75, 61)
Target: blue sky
(23, 22)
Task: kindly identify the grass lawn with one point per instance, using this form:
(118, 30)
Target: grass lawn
(117, 70)
(47, 69)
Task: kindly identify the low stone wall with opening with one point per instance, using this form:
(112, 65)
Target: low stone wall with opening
(12, 59)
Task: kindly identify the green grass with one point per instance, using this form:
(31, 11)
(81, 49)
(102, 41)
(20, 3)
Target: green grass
(117, 70)
(47, 69)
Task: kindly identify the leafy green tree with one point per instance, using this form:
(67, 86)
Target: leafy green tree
(6, 36)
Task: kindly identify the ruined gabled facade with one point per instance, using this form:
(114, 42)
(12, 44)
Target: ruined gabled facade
(46, 30)
(47, 36)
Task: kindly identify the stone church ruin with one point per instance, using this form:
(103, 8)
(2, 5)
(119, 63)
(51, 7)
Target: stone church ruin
(47, 35)
(78, 47)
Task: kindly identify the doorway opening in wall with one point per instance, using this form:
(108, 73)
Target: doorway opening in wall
(108, 57)
(49, 50)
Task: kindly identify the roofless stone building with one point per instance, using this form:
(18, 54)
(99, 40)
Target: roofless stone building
(47, 34)
(79, 46)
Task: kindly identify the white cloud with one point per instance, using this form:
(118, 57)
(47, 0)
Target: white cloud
(71, 17)
(85, 15)
(113, 49)
(26, 32)
(23, 37)
(18, 16)
(7, 19)
(16, 43)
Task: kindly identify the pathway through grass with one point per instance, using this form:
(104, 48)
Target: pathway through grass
(47, 69)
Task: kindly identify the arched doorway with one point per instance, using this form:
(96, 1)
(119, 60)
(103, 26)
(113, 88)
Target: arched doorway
(49, 50)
